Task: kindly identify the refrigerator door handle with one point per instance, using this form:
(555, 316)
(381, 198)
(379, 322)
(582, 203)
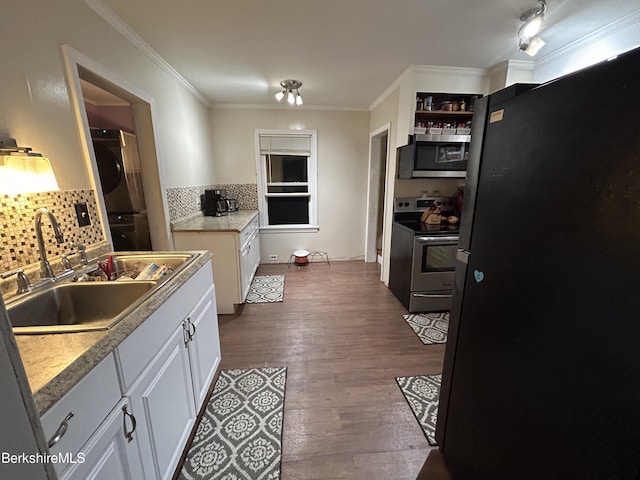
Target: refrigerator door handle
(430, 295)
(463, 256)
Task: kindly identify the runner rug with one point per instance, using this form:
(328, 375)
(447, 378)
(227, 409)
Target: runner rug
(266, 289)
(422, 394)
(240, 434)
(429, 327)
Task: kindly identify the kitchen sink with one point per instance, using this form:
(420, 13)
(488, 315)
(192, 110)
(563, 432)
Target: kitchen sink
(76, 307)
(132, 264)
(81, 306)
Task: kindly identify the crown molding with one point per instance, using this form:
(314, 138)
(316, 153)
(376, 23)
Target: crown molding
(607, 31)
(507, 65)
(117, 23)
(440, 70)
(427, 69)
(304, 106)
(391, 88)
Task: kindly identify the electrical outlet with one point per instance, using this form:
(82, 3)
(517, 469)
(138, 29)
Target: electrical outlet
(273, 258)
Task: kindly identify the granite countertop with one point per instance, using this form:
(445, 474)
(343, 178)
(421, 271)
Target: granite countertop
(54, 363)
(234, 222)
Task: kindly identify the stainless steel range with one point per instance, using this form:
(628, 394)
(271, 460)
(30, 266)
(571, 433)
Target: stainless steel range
(422, 256)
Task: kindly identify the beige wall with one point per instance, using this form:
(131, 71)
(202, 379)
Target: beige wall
(35, 105)
(342, 173)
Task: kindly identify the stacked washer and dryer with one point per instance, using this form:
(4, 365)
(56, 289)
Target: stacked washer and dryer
(120, 172)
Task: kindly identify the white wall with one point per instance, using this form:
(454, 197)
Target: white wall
(35, 106)
(622, 36)
(342, 173)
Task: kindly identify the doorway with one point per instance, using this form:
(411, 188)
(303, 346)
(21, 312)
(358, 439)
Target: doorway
(378, 159)
(117, 157)
(87, 79)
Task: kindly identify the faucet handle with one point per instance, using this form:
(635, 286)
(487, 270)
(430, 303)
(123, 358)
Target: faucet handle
(82, 250)
(65, 260)
(24, 285)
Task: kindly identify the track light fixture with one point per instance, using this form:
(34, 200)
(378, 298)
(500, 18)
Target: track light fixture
(290, 91)
(529, 42)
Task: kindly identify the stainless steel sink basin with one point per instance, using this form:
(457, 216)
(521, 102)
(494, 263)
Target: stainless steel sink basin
(85, 306)
(76, 307)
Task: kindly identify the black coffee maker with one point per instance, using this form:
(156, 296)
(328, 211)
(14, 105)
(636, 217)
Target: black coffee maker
(214, 203)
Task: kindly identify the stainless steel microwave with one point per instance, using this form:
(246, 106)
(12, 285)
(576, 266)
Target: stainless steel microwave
(434, 156)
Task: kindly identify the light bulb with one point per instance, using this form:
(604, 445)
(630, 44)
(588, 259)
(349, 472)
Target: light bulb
(298, 99)
(531, 27)
(291, 98)
(280, 95)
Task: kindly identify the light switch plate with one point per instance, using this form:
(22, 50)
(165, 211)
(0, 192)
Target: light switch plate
(82, 212)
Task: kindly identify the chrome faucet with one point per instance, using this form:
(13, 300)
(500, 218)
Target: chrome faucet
(45, 266)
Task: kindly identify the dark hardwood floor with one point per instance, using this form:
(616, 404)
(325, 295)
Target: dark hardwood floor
(341, 334)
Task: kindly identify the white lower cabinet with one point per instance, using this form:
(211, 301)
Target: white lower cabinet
(236, 256)
(167, 378)
(162, 401)
(112, 452)
(203, 345)
(131, 416)
(250, 256)
(70, 423)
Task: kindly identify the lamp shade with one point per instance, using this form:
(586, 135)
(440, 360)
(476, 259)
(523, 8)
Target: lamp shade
(26, 174)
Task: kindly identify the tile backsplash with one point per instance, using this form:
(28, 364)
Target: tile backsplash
(18, 245)
(183, 201)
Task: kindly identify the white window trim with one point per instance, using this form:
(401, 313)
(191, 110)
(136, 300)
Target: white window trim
(312, 177)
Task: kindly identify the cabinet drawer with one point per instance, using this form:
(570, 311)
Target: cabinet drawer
(247, 232)
(90, 401)
(137, 350)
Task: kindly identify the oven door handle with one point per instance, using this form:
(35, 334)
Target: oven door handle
(438, 240)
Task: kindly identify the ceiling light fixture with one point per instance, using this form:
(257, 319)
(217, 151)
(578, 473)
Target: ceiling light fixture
(530, 43)
(290, 91)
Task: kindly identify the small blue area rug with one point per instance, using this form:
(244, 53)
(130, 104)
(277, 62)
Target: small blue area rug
(240, 434)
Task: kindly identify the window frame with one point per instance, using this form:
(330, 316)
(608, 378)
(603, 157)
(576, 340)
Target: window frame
(312, 181)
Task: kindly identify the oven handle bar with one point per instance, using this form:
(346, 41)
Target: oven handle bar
(438, 240)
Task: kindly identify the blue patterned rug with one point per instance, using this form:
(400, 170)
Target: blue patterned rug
(240, 434)
(429, 327)
(266, 289)
(423, 394)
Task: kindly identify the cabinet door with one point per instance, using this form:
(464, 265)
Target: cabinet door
(109, 454)
(246, 273)
(162, 401)
(204, 346)
(255, 253)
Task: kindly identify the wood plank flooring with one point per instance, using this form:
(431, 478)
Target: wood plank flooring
(341, 335)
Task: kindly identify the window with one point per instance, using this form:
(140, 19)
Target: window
(287, 190)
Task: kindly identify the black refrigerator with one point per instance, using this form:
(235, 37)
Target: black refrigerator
(541, 376)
